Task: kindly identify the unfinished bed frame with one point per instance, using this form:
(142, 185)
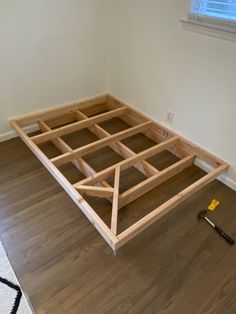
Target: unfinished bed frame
(59, 121)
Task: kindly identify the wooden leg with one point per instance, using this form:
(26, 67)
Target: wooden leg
(115, 205)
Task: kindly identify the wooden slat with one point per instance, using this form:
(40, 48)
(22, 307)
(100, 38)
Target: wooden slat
(183, 146)
(61, 120)
(95, 110)
(125, 164)
(79, 152)
(63, 147)
(143, 166)
(115, 206)
(56, 111)
(71, 117)
(79, 163)
(156, 214)
(96, 191)
(76, 126)
(156, 136)
(77, 198)
(152, 182)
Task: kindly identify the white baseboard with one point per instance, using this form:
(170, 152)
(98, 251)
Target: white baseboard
(223, 178)
(7, 136)
(11, 134)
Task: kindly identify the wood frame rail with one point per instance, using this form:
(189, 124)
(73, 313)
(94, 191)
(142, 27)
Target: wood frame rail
(62, 120)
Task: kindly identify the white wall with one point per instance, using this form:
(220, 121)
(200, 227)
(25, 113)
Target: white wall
(56, 51)
(51, 52)
(156, 65)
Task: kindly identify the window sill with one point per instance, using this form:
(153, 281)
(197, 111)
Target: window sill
(207, 28)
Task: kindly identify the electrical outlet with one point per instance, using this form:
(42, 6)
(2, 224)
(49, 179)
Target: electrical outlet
(170, 116)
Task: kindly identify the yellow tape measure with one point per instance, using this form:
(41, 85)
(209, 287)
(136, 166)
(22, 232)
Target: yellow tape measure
(214, 204)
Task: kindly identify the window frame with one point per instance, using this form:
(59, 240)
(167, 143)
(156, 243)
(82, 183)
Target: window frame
(217, 27)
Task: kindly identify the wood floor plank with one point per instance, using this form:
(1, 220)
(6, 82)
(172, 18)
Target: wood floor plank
(178, 265)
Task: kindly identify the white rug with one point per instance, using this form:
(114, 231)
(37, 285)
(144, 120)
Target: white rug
(12, 299)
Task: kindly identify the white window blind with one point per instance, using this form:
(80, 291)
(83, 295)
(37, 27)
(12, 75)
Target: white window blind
(212, 17)
(221, 9)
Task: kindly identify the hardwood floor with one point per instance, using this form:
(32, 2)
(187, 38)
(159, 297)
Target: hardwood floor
(179, 265)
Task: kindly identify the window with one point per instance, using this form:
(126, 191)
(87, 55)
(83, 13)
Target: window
(221, 9)
(217, 17)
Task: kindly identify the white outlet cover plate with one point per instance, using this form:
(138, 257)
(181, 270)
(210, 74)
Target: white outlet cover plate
(170, 116)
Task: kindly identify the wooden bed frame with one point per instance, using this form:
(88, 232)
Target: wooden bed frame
(59, 121)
